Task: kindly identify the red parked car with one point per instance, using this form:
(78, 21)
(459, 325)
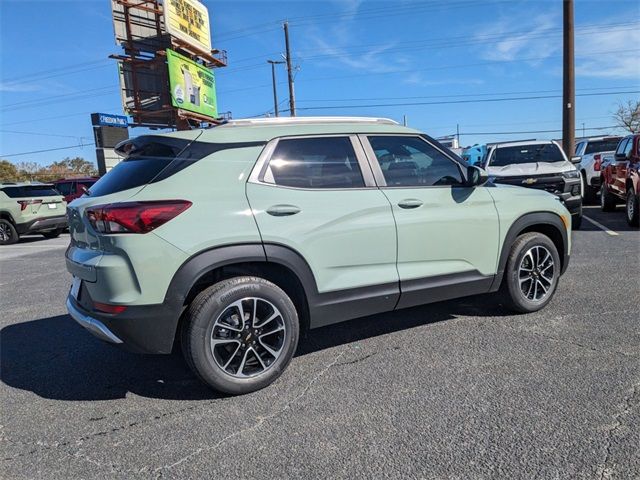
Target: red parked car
(621, 179)
(72, 188)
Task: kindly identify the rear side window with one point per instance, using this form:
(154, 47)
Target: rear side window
(328, 162)
(543, 152)
(412, 162)
(608, 145)
(622, 146)
(64, 188)
(26, 191)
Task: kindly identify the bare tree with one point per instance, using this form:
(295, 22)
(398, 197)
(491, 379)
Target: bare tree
(628, 116)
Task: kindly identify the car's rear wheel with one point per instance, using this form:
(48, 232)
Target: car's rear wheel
(240, 334)
(633, 212)
(8, 232)
(532, 273)
(53, 233)
(607, 200)
(589, 193)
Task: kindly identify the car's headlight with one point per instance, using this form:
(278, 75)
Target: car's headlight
(571, 174)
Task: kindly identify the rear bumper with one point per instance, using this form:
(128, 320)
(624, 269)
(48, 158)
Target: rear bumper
(139, 329)
(42, 224)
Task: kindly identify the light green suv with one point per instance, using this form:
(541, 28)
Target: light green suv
(229, 241)
(30, 208)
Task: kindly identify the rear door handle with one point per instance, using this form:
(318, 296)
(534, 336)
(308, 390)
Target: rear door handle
(283, 210)
(410, 203)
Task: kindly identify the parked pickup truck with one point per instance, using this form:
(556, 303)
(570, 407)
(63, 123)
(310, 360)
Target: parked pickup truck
(621, 179)
(591, 152)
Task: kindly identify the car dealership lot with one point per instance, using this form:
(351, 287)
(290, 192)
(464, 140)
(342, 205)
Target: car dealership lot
(460, 389)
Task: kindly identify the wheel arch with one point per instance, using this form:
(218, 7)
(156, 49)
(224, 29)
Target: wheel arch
(7, 216)
(546, 223)
(275, 263)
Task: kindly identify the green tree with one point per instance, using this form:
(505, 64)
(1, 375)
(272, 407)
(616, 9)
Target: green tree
(9, 172)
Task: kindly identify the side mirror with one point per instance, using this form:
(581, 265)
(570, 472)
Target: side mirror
(620, 157)
(476, 176)
(576, 159)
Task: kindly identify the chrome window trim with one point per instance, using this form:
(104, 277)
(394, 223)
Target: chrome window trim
(260, 168)
(377, 170)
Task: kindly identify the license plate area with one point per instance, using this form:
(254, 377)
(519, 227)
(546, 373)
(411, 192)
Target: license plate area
(75, 287)
(52, 206)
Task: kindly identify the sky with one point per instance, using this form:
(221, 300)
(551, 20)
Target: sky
(446, 65)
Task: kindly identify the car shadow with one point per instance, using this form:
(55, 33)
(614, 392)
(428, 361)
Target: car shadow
(615, 221)
(57, 359)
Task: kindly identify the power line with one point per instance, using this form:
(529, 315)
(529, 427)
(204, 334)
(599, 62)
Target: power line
(47, 150)
(449, 102)
(39, 134)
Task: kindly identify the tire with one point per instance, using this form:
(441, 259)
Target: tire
(576, 221)
(8, 233)
(52, 234)
(607, 200)
(520, 296)
(240, 362)
(589, 193)
(632, 209)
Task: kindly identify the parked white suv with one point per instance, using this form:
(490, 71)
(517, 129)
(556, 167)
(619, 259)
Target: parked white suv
(591, 152)
(539, 164)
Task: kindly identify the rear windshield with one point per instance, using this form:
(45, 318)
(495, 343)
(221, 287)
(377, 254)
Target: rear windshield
(27, 191)
(153, 158)
(607, 145)
(542, 152)
(149, 156)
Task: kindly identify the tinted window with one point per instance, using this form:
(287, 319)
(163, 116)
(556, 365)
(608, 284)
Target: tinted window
(27, 191)
(328, 162)
(412, 162)
(578, 147)
(628, 147)
(622, 146)
(64, 188)
(608, 145)
(542, 152)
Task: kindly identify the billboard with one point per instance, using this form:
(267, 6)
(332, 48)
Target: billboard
(188, 20)
(109, 120)
(139, 27)
(193, 86)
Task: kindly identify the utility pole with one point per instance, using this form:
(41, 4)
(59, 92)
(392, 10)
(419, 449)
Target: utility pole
(568, 81)
(292, 96)
(273, 80)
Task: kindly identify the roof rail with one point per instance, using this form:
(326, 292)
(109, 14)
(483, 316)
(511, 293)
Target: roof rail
(305, 121)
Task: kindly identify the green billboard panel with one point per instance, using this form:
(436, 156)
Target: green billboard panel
(193, 86)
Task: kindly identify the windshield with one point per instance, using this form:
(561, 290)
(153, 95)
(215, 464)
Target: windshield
(608, 145)
(541, 152)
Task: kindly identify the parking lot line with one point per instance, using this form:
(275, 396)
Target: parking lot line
(602, 227)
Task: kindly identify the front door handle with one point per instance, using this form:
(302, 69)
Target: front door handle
(283, 210)
(410, 203)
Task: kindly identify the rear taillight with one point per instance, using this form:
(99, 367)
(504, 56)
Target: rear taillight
(597, 162)
(134, 217)
(108, 308)
(24, 203)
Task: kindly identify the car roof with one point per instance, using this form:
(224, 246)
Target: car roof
(599, 139)
(75, 179)
(257, 130)
(523, 143)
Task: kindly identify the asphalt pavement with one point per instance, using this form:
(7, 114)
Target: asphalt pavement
(460, 389)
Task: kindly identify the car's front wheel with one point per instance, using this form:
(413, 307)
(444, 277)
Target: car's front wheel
(240, 334)
(633, 212)
(532, 273)
(8, 233)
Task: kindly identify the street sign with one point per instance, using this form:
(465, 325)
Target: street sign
(109, 120)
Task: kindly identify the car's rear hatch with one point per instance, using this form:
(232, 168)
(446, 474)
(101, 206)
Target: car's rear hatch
(36, 201)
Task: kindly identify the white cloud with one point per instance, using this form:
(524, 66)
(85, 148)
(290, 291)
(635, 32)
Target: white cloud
(622, 63)
(417, 79)
(533, 44)
(17, 87)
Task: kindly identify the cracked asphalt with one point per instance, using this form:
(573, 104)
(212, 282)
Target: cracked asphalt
(459, 389)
